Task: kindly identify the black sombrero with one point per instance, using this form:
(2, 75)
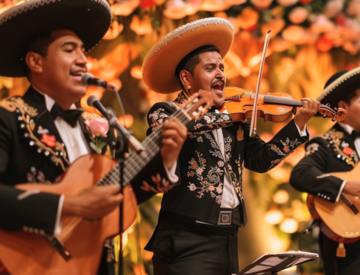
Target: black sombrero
(161, 61)
(89, 19)
(339, 85)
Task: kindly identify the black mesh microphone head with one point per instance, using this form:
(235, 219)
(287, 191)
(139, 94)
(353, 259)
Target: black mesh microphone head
(91, 99)
(85, 77)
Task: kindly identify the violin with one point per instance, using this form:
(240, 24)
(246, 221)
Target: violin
(242, 104)
(275, 107)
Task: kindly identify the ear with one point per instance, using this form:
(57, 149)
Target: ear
(185, 78)
(34, 62)
(342, 104)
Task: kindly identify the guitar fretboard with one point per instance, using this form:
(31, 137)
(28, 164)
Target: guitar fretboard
(135, 162)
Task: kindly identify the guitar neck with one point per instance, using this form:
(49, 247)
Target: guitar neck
(136, 162)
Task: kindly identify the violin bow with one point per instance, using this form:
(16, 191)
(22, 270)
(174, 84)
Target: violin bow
(253, 122)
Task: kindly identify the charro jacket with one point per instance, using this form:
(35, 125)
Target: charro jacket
(333, 151)
(31, 150)
(201, 166)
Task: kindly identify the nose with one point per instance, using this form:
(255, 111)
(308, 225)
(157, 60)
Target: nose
(81, 59)
(220, 74)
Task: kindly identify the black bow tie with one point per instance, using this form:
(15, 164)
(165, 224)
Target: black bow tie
(355, 134)
(70, 116)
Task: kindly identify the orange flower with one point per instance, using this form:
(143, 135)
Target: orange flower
(49, 140)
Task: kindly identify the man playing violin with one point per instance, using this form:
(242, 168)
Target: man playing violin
(335, 151)
(200, 217)
(42, 133)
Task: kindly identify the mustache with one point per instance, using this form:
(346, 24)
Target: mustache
(218, 80)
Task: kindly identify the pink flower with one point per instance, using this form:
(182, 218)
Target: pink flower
(97, 126)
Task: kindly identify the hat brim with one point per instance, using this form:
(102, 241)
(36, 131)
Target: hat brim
(20, 25)
(161, 61)
(339, 88)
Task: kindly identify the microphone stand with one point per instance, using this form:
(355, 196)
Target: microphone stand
(134, 144)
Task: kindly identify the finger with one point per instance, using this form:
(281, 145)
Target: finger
(171, 143)
(112, 188)
(175, 131)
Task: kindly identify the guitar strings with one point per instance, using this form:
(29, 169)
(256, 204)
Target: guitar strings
(136, 162)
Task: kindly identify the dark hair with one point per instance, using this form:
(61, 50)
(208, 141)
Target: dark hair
(189, 62)
(349, 97)
(40, 46)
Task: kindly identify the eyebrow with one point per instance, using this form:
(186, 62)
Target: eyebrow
(213, 64)
(72, 43)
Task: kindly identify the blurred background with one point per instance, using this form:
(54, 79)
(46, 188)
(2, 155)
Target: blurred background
(311, 40)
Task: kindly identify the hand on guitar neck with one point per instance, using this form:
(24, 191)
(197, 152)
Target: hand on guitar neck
(352, 188)
(95, 203)
(174, 135)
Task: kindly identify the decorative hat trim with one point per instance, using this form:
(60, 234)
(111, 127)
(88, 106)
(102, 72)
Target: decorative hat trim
(181, 30)
(337, 83)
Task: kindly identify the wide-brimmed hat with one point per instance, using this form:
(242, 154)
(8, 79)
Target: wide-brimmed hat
(339, 86)
(161, 61)
(21, 24)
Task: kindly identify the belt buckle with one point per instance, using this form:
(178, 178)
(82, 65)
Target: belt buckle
(225, 218)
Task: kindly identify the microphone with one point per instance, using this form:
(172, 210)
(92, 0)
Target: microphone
(94, 101)
(88, 79)
(134, 144)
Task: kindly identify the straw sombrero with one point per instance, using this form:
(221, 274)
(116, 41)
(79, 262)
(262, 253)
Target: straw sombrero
(161, 61)
(89, 19)
(339, 85)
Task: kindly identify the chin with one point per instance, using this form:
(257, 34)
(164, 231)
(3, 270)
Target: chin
(218, 103)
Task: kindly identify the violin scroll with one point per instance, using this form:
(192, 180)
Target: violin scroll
(336, 114)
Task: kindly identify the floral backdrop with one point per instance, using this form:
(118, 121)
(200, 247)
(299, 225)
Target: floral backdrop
(311, 39)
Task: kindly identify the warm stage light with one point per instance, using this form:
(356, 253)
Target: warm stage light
(289, 226)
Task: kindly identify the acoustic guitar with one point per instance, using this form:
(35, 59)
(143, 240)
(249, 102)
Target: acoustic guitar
(340, 221)
(79, 247)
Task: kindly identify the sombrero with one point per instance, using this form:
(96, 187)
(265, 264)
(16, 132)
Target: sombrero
(89, 19)
(161, 61)
(339, 85)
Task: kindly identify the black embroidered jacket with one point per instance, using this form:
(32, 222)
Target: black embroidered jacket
(333, 151)
(31, 150)
(201, 166)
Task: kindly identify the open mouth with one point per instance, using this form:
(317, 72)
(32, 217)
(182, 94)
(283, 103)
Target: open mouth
(218, 88)
(77, 74)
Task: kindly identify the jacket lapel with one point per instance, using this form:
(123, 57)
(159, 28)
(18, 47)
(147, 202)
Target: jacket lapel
(43, 126)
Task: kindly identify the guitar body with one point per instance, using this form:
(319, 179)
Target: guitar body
(25, 253)
(339, 222)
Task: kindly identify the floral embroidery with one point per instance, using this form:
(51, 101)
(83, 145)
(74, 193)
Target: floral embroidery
(210, 183)
(36, 176)
(57, 154)
(199, 139)
(348, 150)
(276, 150)
(49, 140)
(312, 148)
(161, 185)
(333, 138)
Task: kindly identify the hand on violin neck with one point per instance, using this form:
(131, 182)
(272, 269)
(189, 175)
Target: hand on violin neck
(308, 110)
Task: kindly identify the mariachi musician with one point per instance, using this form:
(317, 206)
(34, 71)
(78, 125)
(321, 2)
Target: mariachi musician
(334, 151)
(199, 217)
(42, 133)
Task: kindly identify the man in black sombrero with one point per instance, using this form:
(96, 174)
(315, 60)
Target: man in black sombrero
(200, 217)
(42, 133)
(335, 151)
